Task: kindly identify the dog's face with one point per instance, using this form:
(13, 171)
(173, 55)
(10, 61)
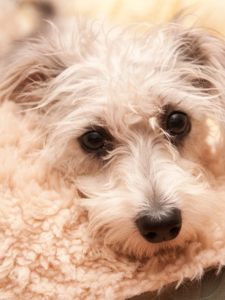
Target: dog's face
(136, 124)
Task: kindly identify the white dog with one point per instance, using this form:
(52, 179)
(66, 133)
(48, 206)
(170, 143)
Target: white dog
(135, 118)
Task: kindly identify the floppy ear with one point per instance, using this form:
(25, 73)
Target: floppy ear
(203, 47)
(27, 73)
(205, 51)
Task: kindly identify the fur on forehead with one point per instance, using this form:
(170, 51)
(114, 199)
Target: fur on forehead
(89, 68)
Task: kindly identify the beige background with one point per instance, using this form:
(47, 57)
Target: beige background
(208, 12)
(21, 16)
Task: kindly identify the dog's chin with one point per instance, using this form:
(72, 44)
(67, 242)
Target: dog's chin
(115, 228)
(140, 249)
(129, 242)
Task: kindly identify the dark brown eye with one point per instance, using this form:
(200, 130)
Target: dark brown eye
(92, 141)
(178, 124)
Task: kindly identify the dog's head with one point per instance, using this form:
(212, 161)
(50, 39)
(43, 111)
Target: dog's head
(136, 122)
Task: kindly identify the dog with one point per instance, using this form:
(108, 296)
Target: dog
(134, 117)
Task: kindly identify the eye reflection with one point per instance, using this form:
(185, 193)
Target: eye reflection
(178, 124)
(96, 141)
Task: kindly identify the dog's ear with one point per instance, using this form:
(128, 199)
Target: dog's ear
(27, 73)
(205, 51)
(202, 48)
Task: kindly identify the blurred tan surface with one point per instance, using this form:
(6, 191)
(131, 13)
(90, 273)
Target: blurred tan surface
(208, 13)
(22, 18)
(24, 15)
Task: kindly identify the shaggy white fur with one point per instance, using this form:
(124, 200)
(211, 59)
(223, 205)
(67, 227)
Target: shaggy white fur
(123, 126)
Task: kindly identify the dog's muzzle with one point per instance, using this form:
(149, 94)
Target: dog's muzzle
(160, 230)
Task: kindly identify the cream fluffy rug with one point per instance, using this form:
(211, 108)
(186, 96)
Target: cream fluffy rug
(45, 251)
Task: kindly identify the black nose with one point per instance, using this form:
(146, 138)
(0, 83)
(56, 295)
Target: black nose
(164, 229)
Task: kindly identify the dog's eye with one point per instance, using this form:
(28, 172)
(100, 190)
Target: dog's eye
(178, 124)
(92, 141)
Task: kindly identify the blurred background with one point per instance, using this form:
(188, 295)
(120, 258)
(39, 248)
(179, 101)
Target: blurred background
(22, 18)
